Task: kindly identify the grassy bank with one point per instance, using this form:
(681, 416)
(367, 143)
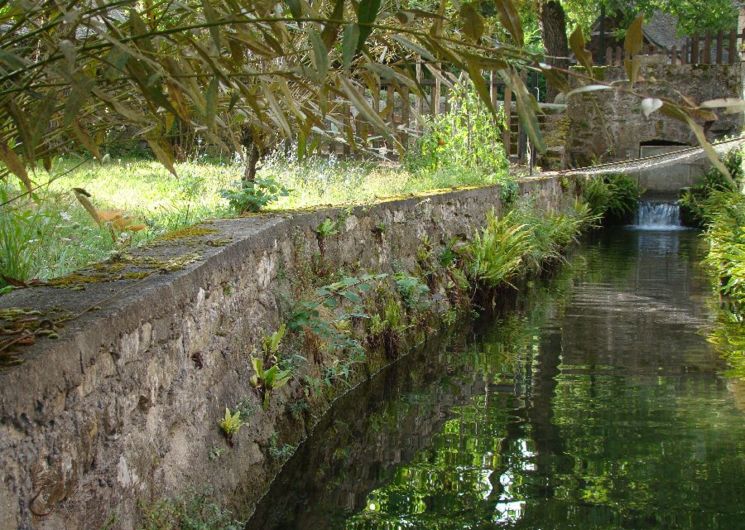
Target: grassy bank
(51, 234)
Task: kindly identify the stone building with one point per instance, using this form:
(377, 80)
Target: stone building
(609, 126)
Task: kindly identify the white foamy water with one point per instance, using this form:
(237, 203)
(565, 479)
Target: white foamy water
(658, 215)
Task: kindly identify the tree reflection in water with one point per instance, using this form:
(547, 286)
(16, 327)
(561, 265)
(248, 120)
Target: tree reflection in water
(596, 404)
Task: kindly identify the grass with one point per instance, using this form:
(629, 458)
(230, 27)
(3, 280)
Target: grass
(53, 235)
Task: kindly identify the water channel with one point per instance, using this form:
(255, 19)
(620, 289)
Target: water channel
(591, 401)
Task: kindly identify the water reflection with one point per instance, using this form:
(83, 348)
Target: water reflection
(596, 405)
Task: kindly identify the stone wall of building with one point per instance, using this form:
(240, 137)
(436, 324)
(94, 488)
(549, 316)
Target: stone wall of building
(609, 126)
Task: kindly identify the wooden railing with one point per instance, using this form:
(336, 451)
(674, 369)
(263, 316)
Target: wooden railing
(718, 48)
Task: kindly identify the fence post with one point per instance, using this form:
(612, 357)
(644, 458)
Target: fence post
(419, 102)
(405, 116)
(720, 44)
(436, 94)
(619, 56)
(707, 49)
(492, 89)
(694, 49)
(506, 138)
(609, 56)
(732, 49)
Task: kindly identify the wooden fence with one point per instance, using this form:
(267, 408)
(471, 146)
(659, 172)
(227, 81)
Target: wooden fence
(718, 48)
(407, 120)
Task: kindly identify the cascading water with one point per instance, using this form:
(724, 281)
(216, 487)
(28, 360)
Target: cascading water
(658, 215)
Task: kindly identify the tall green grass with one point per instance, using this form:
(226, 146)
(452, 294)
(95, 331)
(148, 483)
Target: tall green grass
(46, 236)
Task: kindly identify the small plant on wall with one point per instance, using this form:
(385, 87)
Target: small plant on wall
(230, 424)
(268, 379)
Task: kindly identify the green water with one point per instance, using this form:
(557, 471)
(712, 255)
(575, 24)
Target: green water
(593, 401)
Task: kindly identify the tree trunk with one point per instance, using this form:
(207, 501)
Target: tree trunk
(554, 32)
(253, 154)
(253, 158)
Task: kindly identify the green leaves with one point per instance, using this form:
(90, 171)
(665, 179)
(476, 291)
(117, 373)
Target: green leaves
(359, 101)
(214, 69)
(230, 424)
(367, 12)
(527, 107)
(349, 44)
(473, 23)
(320, 55)
(14, 164)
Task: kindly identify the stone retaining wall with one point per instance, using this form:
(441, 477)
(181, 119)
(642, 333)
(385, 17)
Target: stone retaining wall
(122, 408)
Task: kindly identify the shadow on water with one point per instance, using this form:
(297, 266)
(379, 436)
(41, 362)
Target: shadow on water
(595, 402)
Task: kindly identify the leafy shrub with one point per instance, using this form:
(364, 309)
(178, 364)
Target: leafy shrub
(254, 195)
(280, 453)
(411, 289)
(612, 197)
(498, 251)
(268, 380)
(466, 138)
(521, 241)
(693, 200)
(327, 228)
(724, 213)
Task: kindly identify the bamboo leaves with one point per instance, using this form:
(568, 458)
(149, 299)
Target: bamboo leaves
(577, 43)
(473, 23)
(632, 46)
(15, 165)
(510, 19)
(367, 12)
(223, 70)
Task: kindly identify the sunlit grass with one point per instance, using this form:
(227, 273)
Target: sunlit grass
(54, 235)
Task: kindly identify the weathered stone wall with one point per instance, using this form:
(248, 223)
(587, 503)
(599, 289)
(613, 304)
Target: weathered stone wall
(122, 408)
(609, 126)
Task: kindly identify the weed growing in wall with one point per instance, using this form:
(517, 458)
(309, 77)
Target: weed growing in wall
(193, 510)
(230, 424)
(521, 242)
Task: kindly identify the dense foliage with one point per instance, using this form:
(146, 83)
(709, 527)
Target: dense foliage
(468, 137)
(612, 197)
(695, 202)
(522, 241)
(725, 214)
(718, 205)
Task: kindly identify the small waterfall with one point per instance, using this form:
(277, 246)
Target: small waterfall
(658, 215)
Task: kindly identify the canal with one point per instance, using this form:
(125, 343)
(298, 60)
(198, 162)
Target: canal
(592, 400)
